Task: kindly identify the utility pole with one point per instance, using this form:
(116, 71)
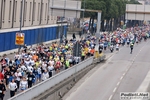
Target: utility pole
(83, 17)
(61, 31)
(21, 11)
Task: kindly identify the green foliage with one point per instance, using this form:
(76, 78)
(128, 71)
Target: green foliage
(110, 8)
(133, 2)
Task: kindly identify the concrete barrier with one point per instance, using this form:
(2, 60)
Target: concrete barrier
(59, 90)
(49, 83)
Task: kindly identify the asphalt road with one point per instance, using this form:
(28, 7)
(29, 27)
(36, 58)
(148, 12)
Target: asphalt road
(122, 72)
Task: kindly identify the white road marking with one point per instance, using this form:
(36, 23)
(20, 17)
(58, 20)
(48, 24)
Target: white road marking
(110, 97)
(118, 83)
(124, 74)
(115, 89)
(121, 78)
(133, 59)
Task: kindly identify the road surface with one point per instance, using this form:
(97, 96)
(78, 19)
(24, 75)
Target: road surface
(122, 72)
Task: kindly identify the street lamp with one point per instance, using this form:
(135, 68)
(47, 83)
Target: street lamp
(83, 17)
(21, 11)
(61, 30)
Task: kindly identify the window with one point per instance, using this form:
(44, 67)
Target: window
(30, 11)
(15, 13)
(38, 16)
(10, 4)
(25, 10)
(34, 8)
(45, 11)
(4, 10)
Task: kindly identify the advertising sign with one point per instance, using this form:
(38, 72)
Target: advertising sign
(19, 39)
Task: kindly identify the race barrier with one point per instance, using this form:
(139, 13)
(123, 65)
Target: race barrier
(38, 89)
(99, 57)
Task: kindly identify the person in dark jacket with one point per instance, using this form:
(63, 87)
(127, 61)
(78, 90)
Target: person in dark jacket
(100, 49)
(74, 36)
(2, 90)
(31, 77)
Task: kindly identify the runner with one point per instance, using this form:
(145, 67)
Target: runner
(45, 75)
(23, 84)
(31, 79)
(111, 48)
(43, 58)
(117, 47)
(131, 47)
(12, 86)
(2, 90)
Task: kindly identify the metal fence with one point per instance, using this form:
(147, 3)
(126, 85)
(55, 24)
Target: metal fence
(45, 85)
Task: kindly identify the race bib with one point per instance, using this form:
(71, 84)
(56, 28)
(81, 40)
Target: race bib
(23, 88)
(7, 76)
(30, 79)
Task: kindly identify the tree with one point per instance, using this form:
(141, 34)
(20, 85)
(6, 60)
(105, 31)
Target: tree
(111, 9)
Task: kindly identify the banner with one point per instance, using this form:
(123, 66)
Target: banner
(19, 39)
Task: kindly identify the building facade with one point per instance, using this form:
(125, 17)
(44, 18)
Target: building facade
(37, 24)
(35, 12)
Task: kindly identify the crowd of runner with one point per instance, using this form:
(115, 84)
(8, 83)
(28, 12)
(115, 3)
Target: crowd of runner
(33, 65)
(129, 37)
